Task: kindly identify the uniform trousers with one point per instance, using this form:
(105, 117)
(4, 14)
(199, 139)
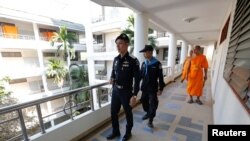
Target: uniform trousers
(121, 97)
(150, 103)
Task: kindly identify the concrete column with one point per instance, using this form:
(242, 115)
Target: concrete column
(183, 51)
(103, 13)
(40, 58)
(41, 64)
(36, 31)
(90, 51)
(172, 54)
(155, 35)
(141, 35)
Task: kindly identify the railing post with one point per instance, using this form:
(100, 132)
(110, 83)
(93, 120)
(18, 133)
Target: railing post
(99, 100)
(20, 115)
(39, 113)
(91, 100)
(70, 107)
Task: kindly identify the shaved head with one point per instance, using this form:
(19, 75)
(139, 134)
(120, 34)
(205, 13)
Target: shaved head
(197, 49)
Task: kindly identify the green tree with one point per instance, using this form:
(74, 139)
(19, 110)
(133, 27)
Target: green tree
(4, 93)
(56, 69)
(79, 77)
(65, 39)
(130, 32)
(10, 129)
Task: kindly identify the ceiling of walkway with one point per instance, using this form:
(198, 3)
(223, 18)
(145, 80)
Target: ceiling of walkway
(196, 21)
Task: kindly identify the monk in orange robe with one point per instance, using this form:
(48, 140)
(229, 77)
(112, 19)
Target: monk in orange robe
(186, 66)
(197, 75)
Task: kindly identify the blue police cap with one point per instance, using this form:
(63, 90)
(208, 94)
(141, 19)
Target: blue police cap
(147, 48)
(123, 37)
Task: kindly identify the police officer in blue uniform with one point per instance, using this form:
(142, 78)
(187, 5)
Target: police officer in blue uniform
(152, 84)
(126, 69)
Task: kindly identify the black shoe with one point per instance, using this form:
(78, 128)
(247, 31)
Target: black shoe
(145, 117)
(126, 137)
(112, 136)
(198, 101)
(190, 101)
(150, 124)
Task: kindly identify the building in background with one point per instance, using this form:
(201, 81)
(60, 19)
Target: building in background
(25, 50)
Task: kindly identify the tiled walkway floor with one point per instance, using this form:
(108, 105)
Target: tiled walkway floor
(176, 120)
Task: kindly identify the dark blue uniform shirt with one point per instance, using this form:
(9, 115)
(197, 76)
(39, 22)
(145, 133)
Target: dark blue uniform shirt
(123, 72)
(151, 73)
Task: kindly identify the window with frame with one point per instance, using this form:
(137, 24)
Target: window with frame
(237, 67)
(98, 38)
(11, 54)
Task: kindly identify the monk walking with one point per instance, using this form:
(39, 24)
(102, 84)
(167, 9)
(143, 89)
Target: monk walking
(197, 75)
(186, 66)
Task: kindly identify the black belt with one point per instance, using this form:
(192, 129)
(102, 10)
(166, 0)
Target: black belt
(121, 86)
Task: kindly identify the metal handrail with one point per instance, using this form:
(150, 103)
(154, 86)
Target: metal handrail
(18, 107)
(15, 107)
(166, 71)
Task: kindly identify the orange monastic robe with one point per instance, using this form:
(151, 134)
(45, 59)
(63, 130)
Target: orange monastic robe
(185, 68)
(195, 75)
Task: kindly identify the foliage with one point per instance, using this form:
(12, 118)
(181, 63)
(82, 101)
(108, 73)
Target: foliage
(65, 40)
(4, 93)
(57, 70)
(130, 32)
(11, 128)
(79, 77)
(8, 129)
(152, 41)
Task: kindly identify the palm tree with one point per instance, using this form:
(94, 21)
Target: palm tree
(56, 69)
(130, 32)
(65, 40)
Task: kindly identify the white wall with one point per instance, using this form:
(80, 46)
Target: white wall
(66, 132)
(159, 56)
(208, 51)
(227, 109)
(27, 65)
(110, 41)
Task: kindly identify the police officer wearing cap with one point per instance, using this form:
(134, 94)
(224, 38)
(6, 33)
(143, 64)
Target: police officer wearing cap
(152, 84)
(125, 69)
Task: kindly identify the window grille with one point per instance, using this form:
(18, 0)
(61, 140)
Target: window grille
(237, 67)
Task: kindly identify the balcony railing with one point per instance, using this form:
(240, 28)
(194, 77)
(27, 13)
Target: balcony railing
(98, 19)
(99, 47)
(101, 77)
(166, 71)
(17, 36)
(67, 111)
